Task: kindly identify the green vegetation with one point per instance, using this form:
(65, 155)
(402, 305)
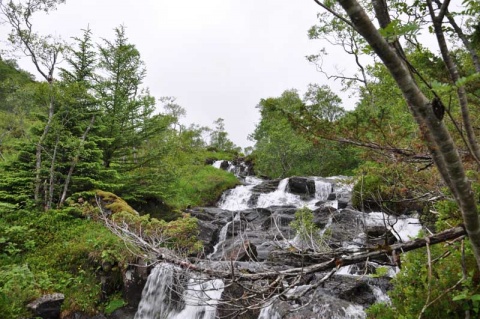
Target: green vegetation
(94, 140)
(86, 142)
(307, 232)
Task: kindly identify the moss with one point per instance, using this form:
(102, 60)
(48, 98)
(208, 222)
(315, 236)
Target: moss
(114, 203)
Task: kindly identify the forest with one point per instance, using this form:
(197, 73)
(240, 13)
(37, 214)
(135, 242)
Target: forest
(85, 147)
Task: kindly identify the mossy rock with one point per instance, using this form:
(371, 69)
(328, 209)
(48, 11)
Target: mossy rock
(114, 204)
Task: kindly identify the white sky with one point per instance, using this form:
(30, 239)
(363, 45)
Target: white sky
(217, 57)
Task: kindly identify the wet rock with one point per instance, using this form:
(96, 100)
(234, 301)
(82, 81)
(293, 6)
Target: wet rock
(82, 315)
(208, 213)
(343, 203)
(236, 227)
(345, 227)
(301, 186)
(350, 289)
(224, 165)
(208, 234)
(134, 279)
(332, 196)
(266, 187)
(321, 217)
(235, 292)
(123, 313)
(256, 215)
(245, 251)
(47, 306)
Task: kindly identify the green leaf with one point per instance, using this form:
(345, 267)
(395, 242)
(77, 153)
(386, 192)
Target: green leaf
(459, 297)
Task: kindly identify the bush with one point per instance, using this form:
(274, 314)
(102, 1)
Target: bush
(413, 288)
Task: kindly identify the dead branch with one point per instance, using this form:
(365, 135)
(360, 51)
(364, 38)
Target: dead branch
(331, 260)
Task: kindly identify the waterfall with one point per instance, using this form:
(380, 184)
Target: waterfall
(165, 296)
(159, 298)
(238, 198)
(403, 228)
(223, 235)
(322, 189)
(175, 293)
(269, 312)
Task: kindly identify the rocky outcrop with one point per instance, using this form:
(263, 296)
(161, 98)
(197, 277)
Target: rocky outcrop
(134, 279)
(47, 306)
(302, 186)
(267, 186)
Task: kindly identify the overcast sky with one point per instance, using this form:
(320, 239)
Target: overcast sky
(217, 57)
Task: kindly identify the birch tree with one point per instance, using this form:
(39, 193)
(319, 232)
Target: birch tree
(427, 112)
(44, 52)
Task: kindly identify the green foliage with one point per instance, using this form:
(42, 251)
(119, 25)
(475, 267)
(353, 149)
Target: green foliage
(391, 187)
(413, 288)
(54, 252)
(397, 28)
(113, 304)
(281, 151)
(201, 185)
(17, 285)
(307, 232)
(380, 272)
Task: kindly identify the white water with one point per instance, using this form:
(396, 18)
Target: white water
(269, 312)
(199, 297)
(223, 235)
(404, 228)
(380, 295)
(237, 198)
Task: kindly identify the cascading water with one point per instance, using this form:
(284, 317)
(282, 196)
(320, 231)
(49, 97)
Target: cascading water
(171, 293)
(223, 235)
(165, 296)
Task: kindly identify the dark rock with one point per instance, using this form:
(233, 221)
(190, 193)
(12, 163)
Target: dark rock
(242, 252)
(320, 203)
(266, 187)
(235, 292)
(208, 234)
(208, 213)
(351, 290)
(321, 217)
(255, 215)
(82, 315)
(253, 200)
(327, 209)
(134, 280)
(47, 306)
(127, 312)
(343, 204)
(236, 227)
(224, 165)
(301, 186)
(332, 196)
(346, 225)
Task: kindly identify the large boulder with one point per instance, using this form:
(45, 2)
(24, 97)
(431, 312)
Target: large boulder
(266, 187)
(134, 279)
(302, 186)
(347, 225)
(47, 306)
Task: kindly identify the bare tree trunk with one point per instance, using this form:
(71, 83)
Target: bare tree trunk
(39, 148)
(463, 37)
(51, 183)
(437, 136)
(437, 21)
(75, 162)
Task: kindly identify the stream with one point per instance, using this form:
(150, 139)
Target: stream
(250, 227)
